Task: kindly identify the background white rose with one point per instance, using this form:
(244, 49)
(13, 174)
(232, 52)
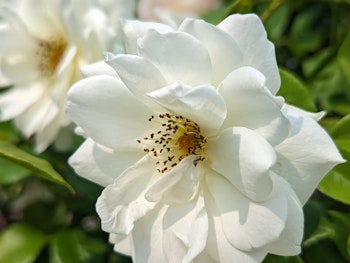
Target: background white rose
(43, 44)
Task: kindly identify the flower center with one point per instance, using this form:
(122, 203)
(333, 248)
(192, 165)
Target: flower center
(50, 54)
(177, 138)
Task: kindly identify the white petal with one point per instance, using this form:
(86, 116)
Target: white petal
(250, 35)
(100, 164)
(107, 112)
(185, 231)
(307, 155)
(139, 75)
(204, 257)
(47, 134)
(201, 104)
(224, 52)
(41, 17)
(148, 237)
(245, 159)
(291, 237)
(134, 30)
(38, 116)
(315, 116)
(123, 203)
(122, 243)
(179, 185)
(63, 141)
(21, 69)
(250, 104)
(247, 225)
(18, 99)
(218, 245)
(98, 68)
(178, 56)
(14, 34)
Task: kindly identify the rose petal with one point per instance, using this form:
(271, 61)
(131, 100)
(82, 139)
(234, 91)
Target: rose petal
(134, 30)
(202, 104)
(14, 34)
(122, 243)
(250, 104)
(307, 155)
(185, 231)
(178, 56)
(218, 245)
(148, 237)
(17, 100)
(123, 203)
(98, 68)
(38, 116)
(100, 164)
(247, 225)
(177, 186)
(291, 237)
(224, 52)
(48, 133)
(250, 35)
(41, 28)
(107, 112)
(139, 75)
(245, 159)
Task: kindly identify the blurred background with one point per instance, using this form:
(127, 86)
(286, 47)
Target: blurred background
(44, 221)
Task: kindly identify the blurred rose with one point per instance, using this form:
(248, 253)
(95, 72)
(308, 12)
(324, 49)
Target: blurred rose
(43, 46)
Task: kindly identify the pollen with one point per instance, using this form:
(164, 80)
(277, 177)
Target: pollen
(50, 53)
(177, 138)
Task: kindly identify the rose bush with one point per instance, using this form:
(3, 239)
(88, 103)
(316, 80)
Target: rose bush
(200, 160)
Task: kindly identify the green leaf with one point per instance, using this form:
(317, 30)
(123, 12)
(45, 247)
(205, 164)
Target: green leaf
(336, 184)
(240, 6)
(8, 132)
(294, 91)
(37, 165)
(277, 23)
(330, 237)
(348, 246)
(321, 233)
(73, 246)
(341, 231)
(279, 259)
(342, 128)
(216, 16)
(337, 228)
(10, 173)
(344, 57)
(20, 243)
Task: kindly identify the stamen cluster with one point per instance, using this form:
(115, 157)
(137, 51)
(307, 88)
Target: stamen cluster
(50, 53)
(178, 138)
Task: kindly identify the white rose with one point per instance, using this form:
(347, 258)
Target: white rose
(43, 44)
(200, 160)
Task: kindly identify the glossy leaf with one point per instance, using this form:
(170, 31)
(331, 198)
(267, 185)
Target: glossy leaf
(37, 165)
(7, 132)
(73, 246)
(336, 227)
(11, 173)
(337, 183)
(344, 57)
(342, 129)
(294, 91)
(20, 243)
